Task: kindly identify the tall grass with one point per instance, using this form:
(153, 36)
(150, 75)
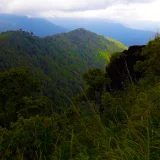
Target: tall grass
(131, 132)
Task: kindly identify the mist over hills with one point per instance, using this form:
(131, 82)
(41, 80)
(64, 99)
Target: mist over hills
(42, 27)
(116, 31)
(39, 26)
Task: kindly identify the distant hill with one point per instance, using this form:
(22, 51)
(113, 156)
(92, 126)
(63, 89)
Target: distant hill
(38, 26)
(116, 31)
(58, 61)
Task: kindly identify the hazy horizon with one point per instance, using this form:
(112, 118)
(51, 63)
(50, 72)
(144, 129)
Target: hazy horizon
(142, 14)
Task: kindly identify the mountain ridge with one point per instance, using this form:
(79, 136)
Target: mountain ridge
(58, 61)
(119, 32)
(39, 26)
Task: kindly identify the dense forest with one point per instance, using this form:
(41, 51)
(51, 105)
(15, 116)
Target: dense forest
(58, 61)
(116, 116)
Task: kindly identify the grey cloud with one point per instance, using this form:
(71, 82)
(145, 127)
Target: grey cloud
(62, 5)
(34, 7)
(102, 4)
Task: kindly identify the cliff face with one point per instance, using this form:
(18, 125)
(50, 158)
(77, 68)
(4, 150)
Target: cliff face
(121, 69)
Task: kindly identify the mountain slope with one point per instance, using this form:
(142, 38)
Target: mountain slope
(38, 26)
(58, 61)
(116, 31)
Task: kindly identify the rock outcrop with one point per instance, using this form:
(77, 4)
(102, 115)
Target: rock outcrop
(121, 69)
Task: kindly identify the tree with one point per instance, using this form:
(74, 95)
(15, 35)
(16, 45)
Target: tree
(152, 54)
(96, 81)
(19, 96)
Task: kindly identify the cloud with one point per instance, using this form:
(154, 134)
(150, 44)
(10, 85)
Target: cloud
(120, 10)
(51, 5)
(14, 6)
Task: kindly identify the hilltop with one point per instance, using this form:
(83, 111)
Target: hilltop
(58, 61)
(128, 36)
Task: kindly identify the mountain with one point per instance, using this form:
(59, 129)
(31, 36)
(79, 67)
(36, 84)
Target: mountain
(42, 27)
(58, 61)
(127, 126)
(38, 26)
(106, 28)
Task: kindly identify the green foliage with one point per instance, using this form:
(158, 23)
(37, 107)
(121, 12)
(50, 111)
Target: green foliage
(32, 138)
(129, 129)
(95, 78)
(131, 133)
(115, 56)
(19, 95)
(58, 61)
(152, 53)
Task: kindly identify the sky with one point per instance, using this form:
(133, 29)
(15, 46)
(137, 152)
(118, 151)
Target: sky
(125, 11)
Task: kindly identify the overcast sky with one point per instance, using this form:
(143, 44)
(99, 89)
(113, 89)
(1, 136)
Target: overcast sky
(119, 10)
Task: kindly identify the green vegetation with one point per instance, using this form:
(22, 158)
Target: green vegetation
(123, 125)
(20, 96)
(58, 61)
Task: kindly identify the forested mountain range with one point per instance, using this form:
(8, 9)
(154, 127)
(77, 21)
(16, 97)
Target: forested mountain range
(58, 61)
(107, 28)
(42, 27)
(115, 110)
(39, 26)
(116, 116)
